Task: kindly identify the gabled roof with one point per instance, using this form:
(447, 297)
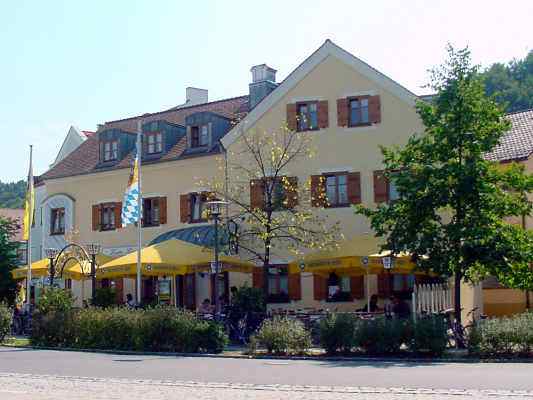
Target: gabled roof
(517, 144)
(327, 49)
(84, 160)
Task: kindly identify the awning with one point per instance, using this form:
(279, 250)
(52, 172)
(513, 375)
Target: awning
(72, 270)
(171, 257)
(357, 256)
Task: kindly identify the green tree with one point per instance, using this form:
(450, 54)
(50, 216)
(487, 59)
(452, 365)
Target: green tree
(8, 258)
(12, 194)
(452, 206)
(511, 84)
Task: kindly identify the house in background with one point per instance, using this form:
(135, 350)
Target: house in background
(515, 146)
(17, 215)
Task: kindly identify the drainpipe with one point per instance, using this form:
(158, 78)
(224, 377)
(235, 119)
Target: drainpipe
(528, 301)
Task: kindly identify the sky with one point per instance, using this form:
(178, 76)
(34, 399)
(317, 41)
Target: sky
(80, 63)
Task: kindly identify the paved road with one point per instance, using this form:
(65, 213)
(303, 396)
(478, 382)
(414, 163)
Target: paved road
(21, 370)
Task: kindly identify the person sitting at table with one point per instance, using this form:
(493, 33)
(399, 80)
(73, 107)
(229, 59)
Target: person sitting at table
(205, 307)
(401, 308)
(373, 305)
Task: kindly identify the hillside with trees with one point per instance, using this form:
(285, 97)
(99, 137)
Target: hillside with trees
(12, 194)
(512, 83)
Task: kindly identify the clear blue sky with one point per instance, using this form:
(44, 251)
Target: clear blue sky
(81, 63)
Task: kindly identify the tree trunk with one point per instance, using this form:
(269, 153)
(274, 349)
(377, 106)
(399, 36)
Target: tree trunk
(266, 265)
(457, 297)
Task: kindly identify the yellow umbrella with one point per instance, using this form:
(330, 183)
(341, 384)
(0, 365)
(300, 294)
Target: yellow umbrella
(347, 259)
(72, 269)
(171, 257)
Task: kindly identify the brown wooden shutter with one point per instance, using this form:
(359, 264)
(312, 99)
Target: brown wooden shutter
(317, 191)
(96, 217)
(257, 278)
(319, 287)
(119, 287)
(292, 192)
(374, 109)
(256, 194)
(118, 215)
(384, 284)
(357, 287)
(381, 187)
(342, 112)
(185, 208)
(354, 188)
(323, 116)
(295, 286)
(162, 210)
(291, 116)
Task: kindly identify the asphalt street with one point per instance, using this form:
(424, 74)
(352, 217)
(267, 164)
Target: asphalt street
(467, 376)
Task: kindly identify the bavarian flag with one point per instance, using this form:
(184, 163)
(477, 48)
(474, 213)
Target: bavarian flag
(130, 205)
(29, 203)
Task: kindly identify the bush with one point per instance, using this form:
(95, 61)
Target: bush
(429, 335)
(249, 299)
(105, 297)
(338, 333)
(511, 336)
(382, 335)
(157, 329)
(6, 316)
(282, 335)
(55, 300)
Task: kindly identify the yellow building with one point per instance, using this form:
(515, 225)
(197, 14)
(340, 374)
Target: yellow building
(354, 109)
(516, 146)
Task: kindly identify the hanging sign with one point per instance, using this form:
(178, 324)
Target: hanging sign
(387, 262)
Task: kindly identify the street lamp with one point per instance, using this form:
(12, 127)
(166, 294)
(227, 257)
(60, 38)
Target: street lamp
(93, 249)
(51, 254)
(215, 210)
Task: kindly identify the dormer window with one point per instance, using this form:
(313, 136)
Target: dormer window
(155, 143)
(199, 136)
(110, 150)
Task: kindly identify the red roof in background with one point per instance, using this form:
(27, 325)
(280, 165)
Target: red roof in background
(517, 143)
(88, 133)
(16, 214)
(84, 159)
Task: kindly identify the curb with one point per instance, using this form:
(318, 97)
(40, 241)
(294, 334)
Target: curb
(354, 359)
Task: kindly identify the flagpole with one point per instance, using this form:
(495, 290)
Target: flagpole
(30, 217)
(139, 208)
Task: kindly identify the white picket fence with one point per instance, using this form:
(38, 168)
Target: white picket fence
(431, 298)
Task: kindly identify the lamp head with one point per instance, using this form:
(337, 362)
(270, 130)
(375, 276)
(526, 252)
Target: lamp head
(51, 252)
(93, 249)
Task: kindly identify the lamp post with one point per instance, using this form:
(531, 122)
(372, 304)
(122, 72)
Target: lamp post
(51, 254)
(215, 210)
(93, 249)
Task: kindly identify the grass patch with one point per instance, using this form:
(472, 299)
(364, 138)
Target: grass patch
(16, 342)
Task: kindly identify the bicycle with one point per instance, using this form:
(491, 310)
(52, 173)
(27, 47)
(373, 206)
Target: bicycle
(458, 334)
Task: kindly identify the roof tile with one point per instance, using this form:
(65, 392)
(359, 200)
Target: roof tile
(517, 144)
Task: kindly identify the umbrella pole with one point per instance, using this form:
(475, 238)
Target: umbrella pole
(367, 292)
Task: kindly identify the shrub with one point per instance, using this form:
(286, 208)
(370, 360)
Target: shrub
(249, 299)
(429, 335)
(382, 335)
(282, 335)
(338, 333)
(6, 316)
(105, 297)
(55, 300)
(509, 336)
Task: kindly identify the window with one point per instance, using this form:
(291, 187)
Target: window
(22, 255)
(197, 201)
(151, 212)
(68, 284)
(338, 288)
(279, 195)
(278, 284)
(199, 136)
(155, 143)
(57, 222)
(107, 217)
(393, 191)
(307, 116)
(359, 111)
(110, 150)
(337, 190)
(403, 283)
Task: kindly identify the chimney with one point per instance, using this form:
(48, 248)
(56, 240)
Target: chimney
(263, 83)
(194, 96)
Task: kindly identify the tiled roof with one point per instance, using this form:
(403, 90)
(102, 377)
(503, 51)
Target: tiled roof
(84, 159)
(16, 214)
(517, 144)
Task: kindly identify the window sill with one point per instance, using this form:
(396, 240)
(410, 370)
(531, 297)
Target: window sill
(151, 226)
(338, 206)
(107, 229)
(56, 233)
(197, 221)
(359, 128)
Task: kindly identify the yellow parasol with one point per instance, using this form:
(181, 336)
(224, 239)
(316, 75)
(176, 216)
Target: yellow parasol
(171, 257)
